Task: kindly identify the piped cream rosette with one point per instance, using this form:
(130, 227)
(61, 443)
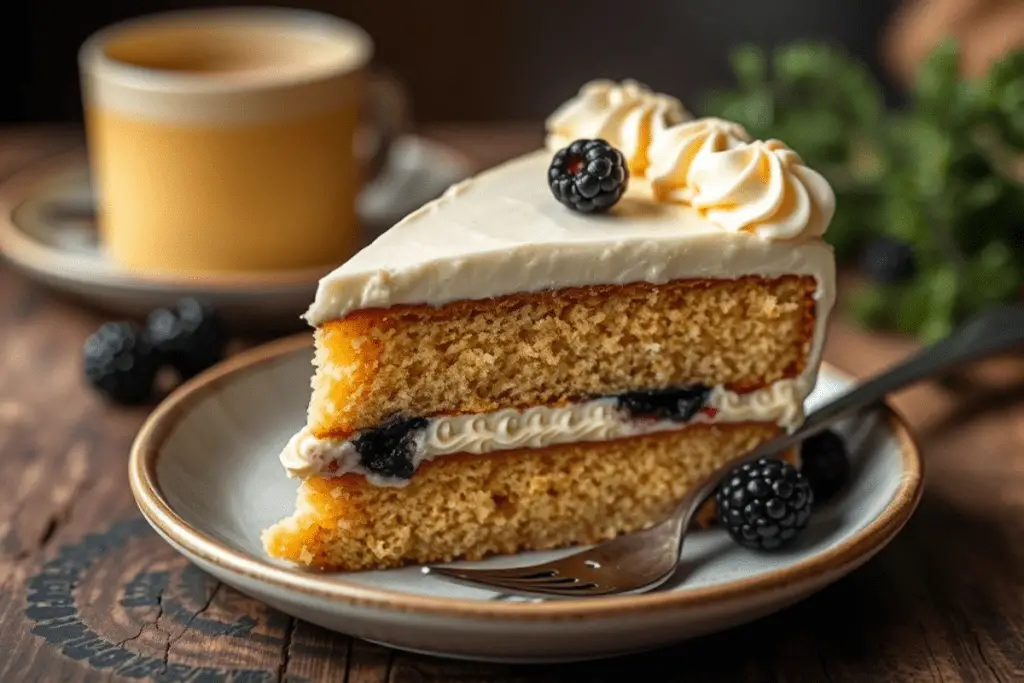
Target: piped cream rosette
(627, 115)
(764, 187)
(712, 164)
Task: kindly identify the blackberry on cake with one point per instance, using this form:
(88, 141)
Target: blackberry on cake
(676, 404)
(387, 450)
(559, 377)
(588, 176)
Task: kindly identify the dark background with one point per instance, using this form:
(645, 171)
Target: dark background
(481, 60)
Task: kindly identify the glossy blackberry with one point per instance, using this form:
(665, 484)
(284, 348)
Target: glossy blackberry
(588, 176)
(190, 336)
(825, 463)
(887, 260)
(120, 363)
(764, 504)
(667, 404)
(387, 450)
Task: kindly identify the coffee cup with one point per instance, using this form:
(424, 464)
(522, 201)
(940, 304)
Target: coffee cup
(233, 139)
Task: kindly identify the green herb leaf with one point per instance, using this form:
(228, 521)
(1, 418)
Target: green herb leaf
(750, 66)
(937, 82)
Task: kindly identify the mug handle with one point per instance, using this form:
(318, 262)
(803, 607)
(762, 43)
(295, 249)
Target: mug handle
(387, 119)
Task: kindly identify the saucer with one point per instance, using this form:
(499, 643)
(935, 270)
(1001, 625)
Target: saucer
(48, 231)
(205, 474)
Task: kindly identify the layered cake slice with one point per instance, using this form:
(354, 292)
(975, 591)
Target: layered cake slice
(555, 351)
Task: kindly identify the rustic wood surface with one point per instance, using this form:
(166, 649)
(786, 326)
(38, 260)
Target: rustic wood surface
(88, 593)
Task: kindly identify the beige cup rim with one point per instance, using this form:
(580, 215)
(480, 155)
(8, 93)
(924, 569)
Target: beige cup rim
(93, 59)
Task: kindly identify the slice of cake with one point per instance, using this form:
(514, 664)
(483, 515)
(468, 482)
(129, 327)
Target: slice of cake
(556, 350)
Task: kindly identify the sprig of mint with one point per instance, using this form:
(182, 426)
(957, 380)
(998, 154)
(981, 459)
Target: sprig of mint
(943, 174)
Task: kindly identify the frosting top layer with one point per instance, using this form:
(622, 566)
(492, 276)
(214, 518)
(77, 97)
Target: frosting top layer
(502, 232)
(704, 200)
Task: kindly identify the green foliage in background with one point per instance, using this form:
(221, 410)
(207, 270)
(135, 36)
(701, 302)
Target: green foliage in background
(944, 174)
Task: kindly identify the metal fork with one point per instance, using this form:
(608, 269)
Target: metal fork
(641, 561)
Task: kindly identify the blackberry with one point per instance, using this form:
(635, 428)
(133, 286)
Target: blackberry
(888, 261)
(387, 450)
(588, 176)
(190, 336)
(120, 362)
(671, 404)
(764, 504)
(824, 463)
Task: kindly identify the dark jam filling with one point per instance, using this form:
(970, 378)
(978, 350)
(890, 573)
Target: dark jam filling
(678, 405)
(387, 450)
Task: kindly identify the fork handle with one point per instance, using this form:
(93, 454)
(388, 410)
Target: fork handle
(991, 331)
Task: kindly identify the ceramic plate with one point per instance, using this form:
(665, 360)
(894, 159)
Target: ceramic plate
(205, 473)
(48, 231)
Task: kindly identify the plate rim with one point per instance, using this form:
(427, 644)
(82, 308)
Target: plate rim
(147, 448)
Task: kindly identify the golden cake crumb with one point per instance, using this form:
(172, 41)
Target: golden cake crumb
(553, 347)
(471, 506)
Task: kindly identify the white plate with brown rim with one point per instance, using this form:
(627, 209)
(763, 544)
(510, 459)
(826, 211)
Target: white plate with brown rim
(205, 474)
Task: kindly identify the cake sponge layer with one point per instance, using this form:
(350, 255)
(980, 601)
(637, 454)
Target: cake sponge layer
(554, 347)
(471, 506)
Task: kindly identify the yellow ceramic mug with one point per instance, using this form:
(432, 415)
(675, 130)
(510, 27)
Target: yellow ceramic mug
(226, 139)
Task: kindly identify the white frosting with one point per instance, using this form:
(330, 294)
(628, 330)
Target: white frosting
(502, 232)
(674, 152)
(627, 115)
(763, 187)
(543, 426)
(743, 208)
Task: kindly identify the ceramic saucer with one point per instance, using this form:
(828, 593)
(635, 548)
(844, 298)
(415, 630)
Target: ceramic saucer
(205, 474)
(47, 230)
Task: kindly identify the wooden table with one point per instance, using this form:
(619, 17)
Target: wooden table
(89, 593)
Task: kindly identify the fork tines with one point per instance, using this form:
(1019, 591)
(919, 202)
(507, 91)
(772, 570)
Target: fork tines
(546, 582)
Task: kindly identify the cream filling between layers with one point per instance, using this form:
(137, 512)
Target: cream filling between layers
(542, 426)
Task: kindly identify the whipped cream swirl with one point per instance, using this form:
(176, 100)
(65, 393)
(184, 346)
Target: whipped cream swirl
(675, 149)
(712, 164)
(761, 187)
(534, 427)
(627, 115)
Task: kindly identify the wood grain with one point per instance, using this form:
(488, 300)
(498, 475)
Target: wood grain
(88, 593)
